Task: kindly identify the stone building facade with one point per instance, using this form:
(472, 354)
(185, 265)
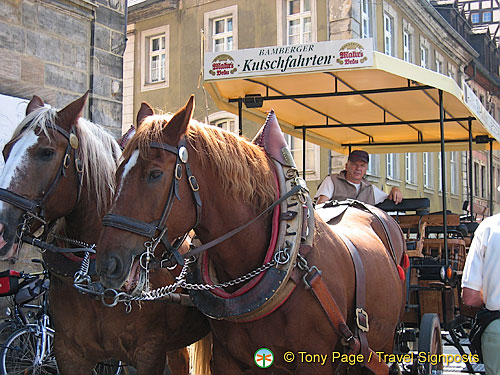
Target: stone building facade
(59, 49)
(410, 30)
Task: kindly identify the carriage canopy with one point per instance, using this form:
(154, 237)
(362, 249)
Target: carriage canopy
(347, 95)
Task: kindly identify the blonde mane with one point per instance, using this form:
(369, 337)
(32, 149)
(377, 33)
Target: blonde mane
(98, 151)
(243, 169)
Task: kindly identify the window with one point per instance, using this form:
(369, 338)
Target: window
(423, 56)
(225, 120)
(476, 179)
(453, 173)
(410, 168)
(366, 25)
(154, 59)
(222, 34)
(474, 17)
(439, 63)
(298, 21)
(221, 29)
(392, 166)
(312, 157)
(427, 167)
(487, 17)
(388, 35)
(440, 176)
(483, 181)
(407, 43)
(373, 165)
(452, 71)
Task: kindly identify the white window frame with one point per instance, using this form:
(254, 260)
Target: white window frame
(472, 16)
(209, 24)
(295, 145)
(407, 46)
(301, 16)
(439, 169)
(224, 35)
(392, 166)
(282, 22)
(427, 169)
(388, 35)
(366, 19)
(453, 173)
(221, 120)
(373, 165)
(439, 62)
(411, 168)
(424, 52)
(146, 37)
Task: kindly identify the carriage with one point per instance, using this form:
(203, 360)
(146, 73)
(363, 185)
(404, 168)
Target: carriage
(433, 276)
(379, 104)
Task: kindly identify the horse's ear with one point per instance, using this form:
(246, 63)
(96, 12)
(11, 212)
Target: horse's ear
(177, 126)
(34, 104)
(70, 114)
(145, 111)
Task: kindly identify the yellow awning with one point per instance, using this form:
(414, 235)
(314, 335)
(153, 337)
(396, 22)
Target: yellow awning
(385, 106)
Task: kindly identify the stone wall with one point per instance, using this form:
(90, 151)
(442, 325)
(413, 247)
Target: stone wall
(58, 49)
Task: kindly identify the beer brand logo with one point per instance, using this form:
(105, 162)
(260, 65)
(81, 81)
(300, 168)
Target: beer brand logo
(351, 53)
(222, 65)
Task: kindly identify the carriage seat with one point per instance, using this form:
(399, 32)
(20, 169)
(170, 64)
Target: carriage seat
(419, 205)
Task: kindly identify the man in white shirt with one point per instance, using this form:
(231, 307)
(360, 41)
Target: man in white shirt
(350, 183)
(481, 285)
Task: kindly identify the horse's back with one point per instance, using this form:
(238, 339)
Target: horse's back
(385, 293)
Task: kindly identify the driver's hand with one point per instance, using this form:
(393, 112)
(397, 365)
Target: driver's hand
(396, 195)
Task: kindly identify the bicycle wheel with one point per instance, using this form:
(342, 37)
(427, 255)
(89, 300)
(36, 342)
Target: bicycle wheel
(108, 367)
(6, 329)
(21, 350)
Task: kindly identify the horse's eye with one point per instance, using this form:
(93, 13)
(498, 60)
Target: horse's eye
(46, 153)
(155, 175)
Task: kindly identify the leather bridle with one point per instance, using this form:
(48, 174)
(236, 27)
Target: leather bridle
(35, 208)
(157, 231)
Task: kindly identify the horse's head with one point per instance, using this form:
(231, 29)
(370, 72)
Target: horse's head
(41, 163)
(154, 184)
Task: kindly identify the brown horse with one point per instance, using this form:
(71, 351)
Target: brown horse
(66, 166)
(185, 175)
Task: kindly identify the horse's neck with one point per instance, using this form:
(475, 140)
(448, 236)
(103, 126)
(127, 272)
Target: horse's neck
(241, 253)
(84, 222)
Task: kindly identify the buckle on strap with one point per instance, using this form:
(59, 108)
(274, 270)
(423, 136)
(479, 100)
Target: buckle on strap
(362, 319)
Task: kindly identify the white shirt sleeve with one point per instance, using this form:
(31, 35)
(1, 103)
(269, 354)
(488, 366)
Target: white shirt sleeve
(379, 195)
(326, 188)
(473, 270)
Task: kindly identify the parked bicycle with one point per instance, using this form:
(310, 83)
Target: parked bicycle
(26, 334)
(29, 349)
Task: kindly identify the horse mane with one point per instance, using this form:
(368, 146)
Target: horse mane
(98, 151)
(242, 167)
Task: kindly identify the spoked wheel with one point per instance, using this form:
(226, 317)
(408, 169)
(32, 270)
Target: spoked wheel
(108, 367)
(22, 355)
(430, 344)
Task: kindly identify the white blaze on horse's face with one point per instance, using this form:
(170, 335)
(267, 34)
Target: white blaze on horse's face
(132, 161)
(17, 163)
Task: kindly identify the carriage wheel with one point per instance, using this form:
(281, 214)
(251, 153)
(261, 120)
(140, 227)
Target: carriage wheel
(429, 343)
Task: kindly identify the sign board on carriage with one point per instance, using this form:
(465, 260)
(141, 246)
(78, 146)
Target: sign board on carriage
(289, 59)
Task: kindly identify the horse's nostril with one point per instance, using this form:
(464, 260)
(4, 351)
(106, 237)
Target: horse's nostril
(114, 267)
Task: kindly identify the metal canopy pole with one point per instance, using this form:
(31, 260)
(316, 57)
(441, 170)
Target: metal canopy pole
(304, 154)
(240, 116)
(491, 177)
(443, 176)
(471, 187)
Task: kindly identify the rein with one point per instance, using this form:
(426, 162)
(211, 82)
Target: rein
(35, 209)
